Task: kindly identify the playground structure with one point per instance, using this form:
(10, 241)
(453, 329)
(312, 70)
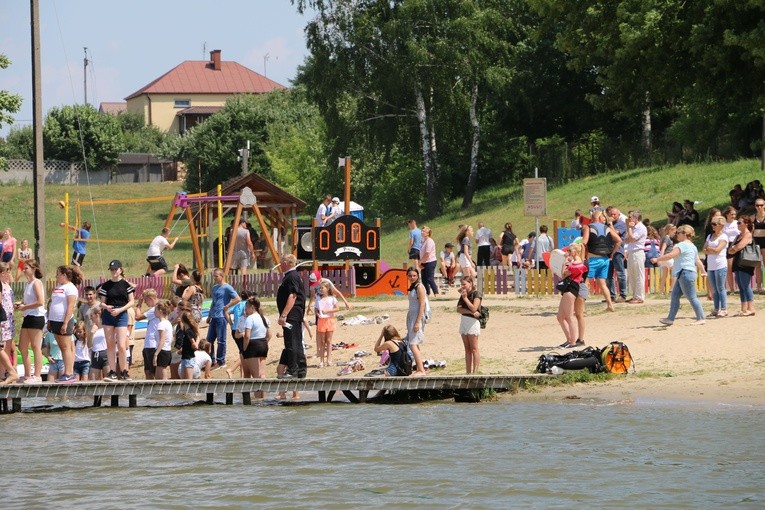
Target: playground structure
(275, 209)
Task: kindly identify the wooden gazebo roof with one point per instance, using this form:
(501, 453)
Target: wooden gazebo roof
(267, 193)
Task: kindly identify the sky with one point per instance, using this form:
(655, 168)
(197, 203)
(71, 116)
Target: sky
(132, 43)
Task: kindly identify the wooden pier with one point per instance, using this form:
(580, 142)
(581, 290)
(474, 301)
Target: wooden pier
(326, 388)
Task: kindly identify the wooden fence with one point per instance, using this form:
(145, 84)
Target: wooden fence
(503, 280)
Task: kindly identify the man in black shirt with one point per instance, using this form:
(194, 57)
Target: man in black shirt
(290, 300)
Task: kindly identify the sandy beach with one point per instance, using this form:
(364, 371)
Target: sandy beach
(718, 362)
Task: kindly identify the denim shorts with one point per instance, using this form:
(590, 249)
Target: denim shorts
(56, 366)
(188, 363)
(120, 321)
(82, 368)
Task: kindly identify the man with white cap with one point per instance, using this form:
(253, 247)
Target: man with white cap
(334, 211)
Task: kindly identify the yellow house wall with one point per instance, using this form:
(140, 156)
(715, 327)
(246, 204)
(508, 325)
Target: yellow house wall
(159, 109)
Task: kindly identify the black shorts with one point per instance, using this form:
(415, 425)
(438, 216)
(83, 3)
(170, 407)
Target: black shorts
(414, 254)
(240, 344)
(99, 360)
(33, 322)
(157, 263)
(77, 258)
(148, 359)
(164, 358)
(55, 327)
(256, 349)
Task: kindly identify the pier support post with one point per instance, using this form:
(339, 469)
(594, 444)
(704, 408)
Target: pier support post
(350, 396)
(96, 400)
(229, 399)
(246, 398)
(132, 400)
(211, 398)
(3, 405)
(322, 396)
(16, 405)
(363, 396)
(115, 400)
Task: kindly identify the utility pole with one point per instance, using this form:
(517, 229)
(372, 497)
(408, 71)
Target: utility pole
(85, 62)
(244, 157)
(265, 59)
(37, 128)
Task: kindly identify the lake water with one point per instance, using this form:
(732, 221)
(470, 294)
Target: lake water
(433, 455)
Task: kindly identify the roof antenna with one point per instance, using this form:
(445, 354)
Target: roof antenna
(204, 50)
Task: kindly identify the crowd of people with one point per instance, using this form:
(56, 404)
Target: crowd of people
(91, 339)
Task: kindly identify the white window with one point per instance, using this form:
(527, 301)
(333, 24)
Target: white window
(182, 103)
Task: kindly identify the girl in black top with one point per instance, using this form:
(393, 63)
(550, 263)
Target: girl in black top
(117, 295)
(186, 336)
(469, 307)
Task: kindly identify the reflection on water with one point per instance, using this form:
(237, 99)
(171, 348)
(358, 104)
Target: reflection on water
(489, 455)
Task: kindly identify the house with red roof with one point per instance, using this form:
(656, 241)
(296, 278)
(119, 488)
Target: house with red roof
(194, 90)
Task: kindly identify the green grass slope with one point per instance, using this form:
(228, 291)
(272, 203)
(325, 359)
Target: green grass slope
(652, 190)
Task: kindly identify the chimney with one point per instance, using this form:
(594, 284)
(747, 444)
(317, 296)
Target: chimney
(215, 60)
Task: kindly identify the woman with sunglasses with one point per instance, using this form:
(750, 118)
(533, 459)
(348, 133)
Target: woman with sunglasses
(759, 234)
(715, 248)
(743, 274)
(685, 271)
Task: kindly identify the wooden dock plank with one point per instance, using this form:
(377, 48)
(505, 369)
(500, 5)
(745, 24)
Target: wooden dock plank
(133, 389)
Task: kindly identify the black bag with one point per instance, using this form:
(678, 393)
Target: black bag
(568, 285)
(404, 367)
(484, 318)
(588, 358)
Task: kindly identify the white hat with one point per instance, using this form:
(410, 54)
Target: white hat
(594, 199)
(336, 200)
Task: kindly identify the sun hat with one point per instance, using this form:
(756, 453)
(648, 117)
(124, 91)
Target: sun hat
(336, 200)
(595, 199)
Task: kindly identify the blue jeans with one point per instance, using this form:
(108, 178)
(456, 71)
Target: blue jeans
(617, 264)
(717, 281)
(744, 282)
(429, 277)
(685, 284)
(218, 329)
